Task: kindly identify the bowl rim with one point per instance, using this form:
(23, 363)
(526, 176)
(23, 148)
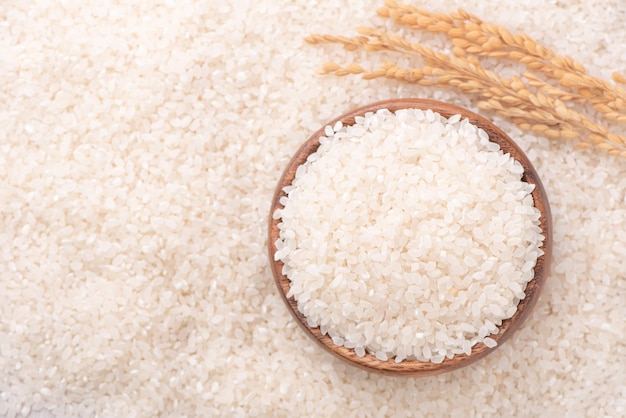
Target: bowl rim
(415, 368)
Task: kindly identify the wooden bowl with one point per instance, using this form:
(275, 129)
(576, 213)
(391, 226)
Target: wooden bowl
(414, 368)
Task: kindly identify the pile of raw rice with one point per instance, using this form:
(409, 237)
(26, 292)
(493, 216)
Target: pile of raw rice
(408, 235)
(140, 144)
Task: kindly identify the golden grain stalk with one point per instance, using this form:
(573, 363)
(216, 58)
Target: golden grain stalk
(530, 100)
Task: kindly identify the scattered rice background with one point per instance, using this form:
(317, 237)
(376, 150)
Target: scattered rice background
(140, 144)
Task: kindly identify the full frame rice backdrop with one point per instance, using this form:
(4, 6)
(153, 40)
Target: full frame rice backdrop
(140, 146)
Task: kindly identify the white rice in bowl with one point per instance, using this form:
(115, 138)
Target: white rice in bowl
(408, 236)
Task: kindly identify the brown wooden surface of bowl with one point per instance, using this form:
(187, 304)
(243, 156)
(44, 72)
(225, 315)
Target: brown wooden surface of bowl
(414, 368)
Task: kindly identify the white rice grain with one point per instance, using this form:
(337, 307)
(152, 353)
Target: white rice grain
(110, 108)
(409, 263)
